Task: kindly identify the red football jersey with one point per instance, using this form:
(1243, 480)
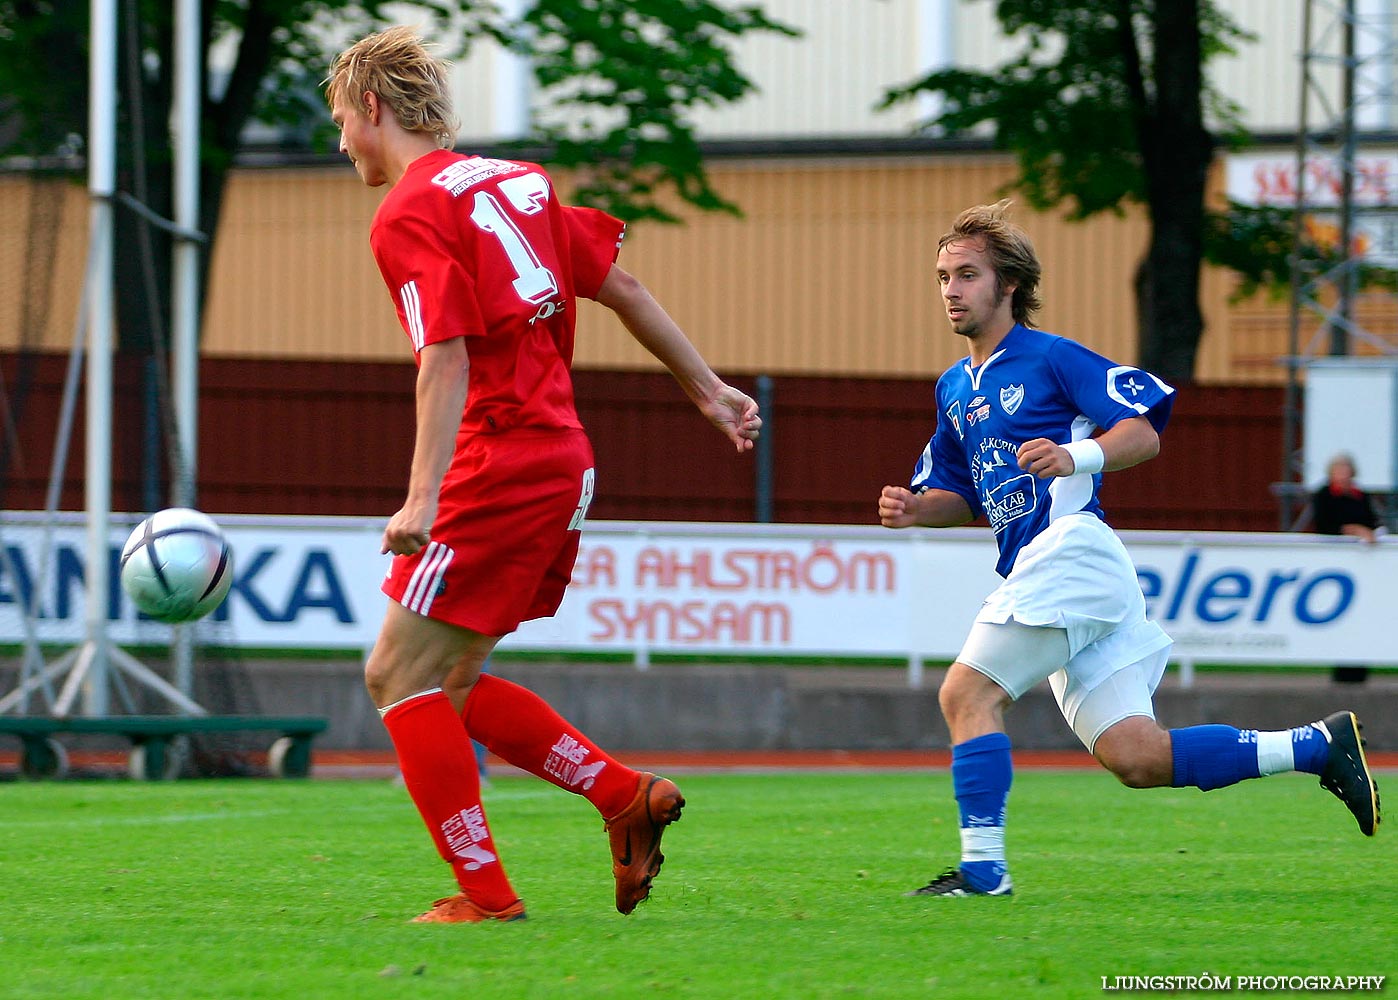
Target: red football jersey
(483, 249)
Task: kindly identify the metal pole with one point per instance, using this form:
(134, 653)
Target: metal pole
(184, 302)
(1345, 272)
(1291, 408)
(184, 291)
(101, 160)
(763, 455)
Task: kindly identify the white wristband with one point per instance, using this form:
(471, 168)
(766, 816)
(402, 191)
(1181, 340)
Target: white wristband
(1087, 456)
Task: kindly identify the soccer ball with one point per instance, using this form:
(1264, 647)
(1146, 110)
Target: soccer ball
(177, 566)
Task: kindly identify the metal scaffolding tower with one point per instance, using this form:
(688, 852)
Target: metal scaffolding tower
(1348, 105)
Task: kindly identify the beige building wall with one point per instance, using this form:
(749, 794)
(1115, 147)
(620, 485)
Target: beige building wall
(43, 243)
(828, 271)
(830, 80)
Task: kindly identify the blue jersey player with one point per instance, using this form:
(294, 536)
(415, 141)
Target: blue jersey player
(1015, 443)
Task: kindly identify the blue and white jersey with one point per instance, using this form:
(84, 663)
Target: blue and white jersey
(1036, 385)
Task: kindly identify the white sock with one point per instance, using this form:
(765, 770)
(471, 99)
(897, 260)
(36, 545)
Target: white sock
(1274, 753)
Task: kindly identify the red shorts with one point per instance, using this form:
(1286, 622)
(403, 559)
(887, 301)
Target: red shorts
(506, 535)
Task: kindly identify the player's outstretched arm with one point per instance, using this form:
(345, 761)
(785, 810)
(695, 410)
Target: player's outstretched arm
(900, 507)
(730, 410)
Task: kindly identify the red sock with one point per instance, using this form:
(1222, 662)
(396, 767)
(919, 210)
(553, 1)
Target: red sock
(440, 773)
(518, 726)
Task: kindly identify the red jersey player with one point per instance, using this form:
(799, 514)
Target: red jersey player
(485, 266)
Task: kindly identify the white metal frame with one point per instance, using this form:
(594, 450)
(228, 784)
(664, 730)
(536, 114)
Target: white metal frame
(96, 664)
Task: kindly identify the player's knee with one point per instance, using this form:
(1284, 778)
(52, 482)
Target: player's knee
(971, 703)
(960, 690)
(1131, 773)
(956, 701)
(1137, 751)
(1136, 764)
(387, 677)
(376, 679)
(947, 699)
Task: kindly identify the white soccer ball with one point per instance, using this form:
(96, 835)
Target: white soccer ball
(177, 565)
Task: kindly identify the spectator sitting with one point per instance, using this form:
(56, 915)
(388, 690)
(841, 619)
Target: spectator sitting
(1342, 508)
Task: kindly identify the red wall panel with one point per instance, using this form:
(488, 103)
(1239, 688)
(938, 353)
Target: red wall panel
(336, 438)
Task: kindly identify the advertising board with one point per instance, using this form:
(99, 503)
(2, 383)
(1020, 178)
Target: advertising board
(742, 589)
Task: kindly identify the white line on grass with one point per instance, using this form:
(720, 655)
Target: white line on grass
(91, 818)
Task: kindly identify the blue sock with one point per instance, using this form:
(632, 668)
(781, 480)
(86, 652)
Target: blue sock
(1309, 749)
(1209, 757)
(981, 773)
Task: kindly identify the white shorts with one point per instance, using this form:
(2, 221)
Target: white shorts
(1077, 576)
(1125, 693)
(1017, 657)
(1072, 606)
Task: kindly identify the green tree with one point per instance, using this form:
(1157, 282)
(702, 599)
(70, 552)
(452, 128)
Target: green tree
(1107, 104)
(632, 69)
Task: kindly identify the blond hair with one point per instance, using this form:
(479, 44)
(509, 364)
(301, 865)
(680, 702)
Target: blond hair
(1009, 249)
(395, 65)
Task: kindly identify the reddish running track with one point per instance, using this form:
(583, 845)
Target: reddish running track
(375, 763)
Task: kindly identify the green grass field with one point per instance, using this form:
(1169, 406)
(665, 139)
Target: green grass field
(777, 885)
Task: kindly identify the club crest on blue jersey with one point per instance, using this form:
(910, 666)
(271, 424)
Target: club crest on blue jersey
(1010, 398)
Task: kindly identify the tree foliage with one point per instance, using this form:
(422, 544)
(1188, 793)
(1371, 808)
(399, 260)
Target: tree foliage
(631, 70)
(637, 67)
(1106, 103)
(1070, 103)
(623, 74)
(1259, 244)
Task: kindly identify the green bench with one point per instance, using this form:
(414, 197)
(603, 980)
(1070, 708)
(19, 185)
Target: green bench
(43, 756)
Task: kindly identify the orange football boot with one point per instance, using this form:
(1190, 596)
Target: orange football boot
(459, 909)
(635, 833)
